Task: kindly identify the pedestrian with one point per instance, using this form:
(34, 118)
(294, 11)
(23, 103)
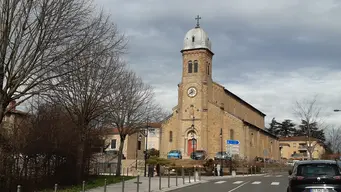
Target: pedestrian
(214, 170)
(218, 169)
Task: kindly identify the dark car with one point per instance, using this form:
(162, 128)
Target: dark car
(315, 176)
(221, 156)
(199, 155)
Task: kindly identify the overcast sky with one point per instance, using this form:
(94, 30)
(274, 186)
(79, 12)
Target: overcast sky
(270, 53)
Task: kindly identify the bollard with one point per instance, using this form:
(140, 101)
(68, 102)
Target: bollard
(105, 185)
(55, 187)
(183, 174)
(200, 174)
(19, 188)
(83, 186)
(122, 184)
(159, 180)
(176, 177)
(195, 174)
(127, 171)
(149, 183)
(138, 183)
(168, 178)
(189, 176)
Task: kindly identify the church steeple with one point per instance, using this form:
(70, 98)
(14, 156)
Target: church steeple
(197, 53)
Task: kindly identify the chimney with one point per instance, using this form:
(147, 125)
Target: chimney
(12, 105)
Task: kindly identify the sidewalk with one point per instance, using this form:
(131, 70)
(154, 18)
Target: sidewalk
(131, 185)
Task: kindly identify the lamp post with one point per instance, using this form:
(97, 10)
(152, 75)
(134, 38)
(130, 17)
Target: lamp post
(221, 149)
(193, 137)
(146, 151)
(137, 148)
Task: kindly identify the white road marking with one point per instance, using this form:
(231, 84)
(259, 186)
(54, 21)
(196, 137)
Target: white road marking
(279, 176)
(238, 182)
(256, 183)
(275, 183)
(219, 182)
(238, 186)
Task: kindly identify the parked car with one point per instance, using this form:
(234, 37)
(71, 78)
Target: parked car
(199, 155)
(221, 155)
(174, 154)
(315, 176)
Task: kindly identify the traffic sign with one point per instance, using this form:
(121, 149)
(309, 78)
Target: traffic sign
(232, 149)
(232, 142)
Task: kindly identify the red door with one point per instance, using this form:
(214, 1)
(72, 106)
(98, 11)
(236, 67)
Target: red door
(192, 145)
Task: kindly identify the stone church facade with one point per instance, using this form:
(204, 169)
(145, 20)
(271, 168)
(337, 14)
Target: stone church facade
(206, 110)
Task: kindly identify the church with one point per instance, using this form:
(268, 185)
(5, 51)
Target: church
(207, 114)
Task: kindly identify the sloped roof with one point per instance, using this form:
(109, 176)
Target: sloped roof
(297, 138)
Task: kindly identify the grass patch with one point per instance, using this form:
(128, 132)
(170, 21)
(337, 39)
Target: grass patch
(97, 181)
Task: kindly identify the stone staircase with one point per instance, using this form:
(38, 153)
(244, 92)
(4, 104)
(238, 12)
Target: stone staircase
(129, 165)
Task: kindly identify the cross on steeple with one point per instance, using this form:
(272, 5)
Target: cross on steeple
(197, 18)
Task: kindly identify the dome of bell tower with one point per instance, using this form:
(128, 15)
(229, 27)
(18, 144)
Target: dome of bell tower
(196, 38)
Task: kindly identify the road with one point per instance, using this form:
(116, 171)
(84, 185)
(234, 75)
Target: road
(267, 183)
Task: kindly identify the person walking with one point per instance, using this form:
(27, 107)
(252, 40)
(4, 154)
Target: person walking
(218, 169)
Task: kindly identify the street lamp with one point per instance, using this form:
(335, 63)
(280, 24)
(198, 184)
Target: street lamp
(193, 150)
(221, 149)
(137, 147)
(146, 151)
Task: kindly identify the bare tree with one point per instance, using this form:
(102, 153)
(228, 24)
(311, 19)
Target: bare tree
(39, 37)
(84, 93)
(334, 138)
(308, 111)
(132, 104)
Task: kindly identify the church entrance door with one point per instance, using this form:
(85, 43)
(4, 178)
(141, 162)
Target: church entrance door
(192, 145)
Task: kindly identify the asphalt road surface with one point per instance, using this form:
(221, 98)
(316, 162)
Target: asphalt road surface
(267, 183)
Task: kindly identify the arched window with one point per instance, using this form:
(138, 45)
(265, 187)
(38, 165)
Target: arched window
(193, 38)
(190, 66)
(195, 66)
(231, 134)
(208, 69)
(170, 136)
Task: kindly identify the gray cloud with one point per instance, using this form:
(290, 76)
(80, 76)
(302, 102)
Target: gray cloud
(271, 53)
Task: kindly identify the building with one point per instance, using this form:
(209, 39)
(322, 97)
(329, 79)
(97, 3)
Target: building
(13, 118)
(205, 108)
(153, 137)
(134, 144)
(297, 147)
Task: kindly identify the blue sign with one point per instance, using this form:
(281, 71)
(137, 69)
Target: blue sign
(232, 142)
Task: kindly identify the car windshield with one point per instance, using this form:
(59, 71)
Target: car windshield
(174, 151)
(311, 170)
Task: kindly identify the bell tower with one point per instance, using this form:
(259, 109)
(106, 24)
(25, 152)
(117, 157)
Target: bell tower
(194, 88)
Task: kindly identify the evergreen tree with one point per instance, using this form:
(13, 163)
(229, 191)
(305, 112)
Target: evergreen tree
(314, 130)
(286, 129)
(273, 127)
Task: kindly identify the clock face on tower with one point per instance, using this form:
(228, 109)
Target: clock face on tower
(192, 92)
